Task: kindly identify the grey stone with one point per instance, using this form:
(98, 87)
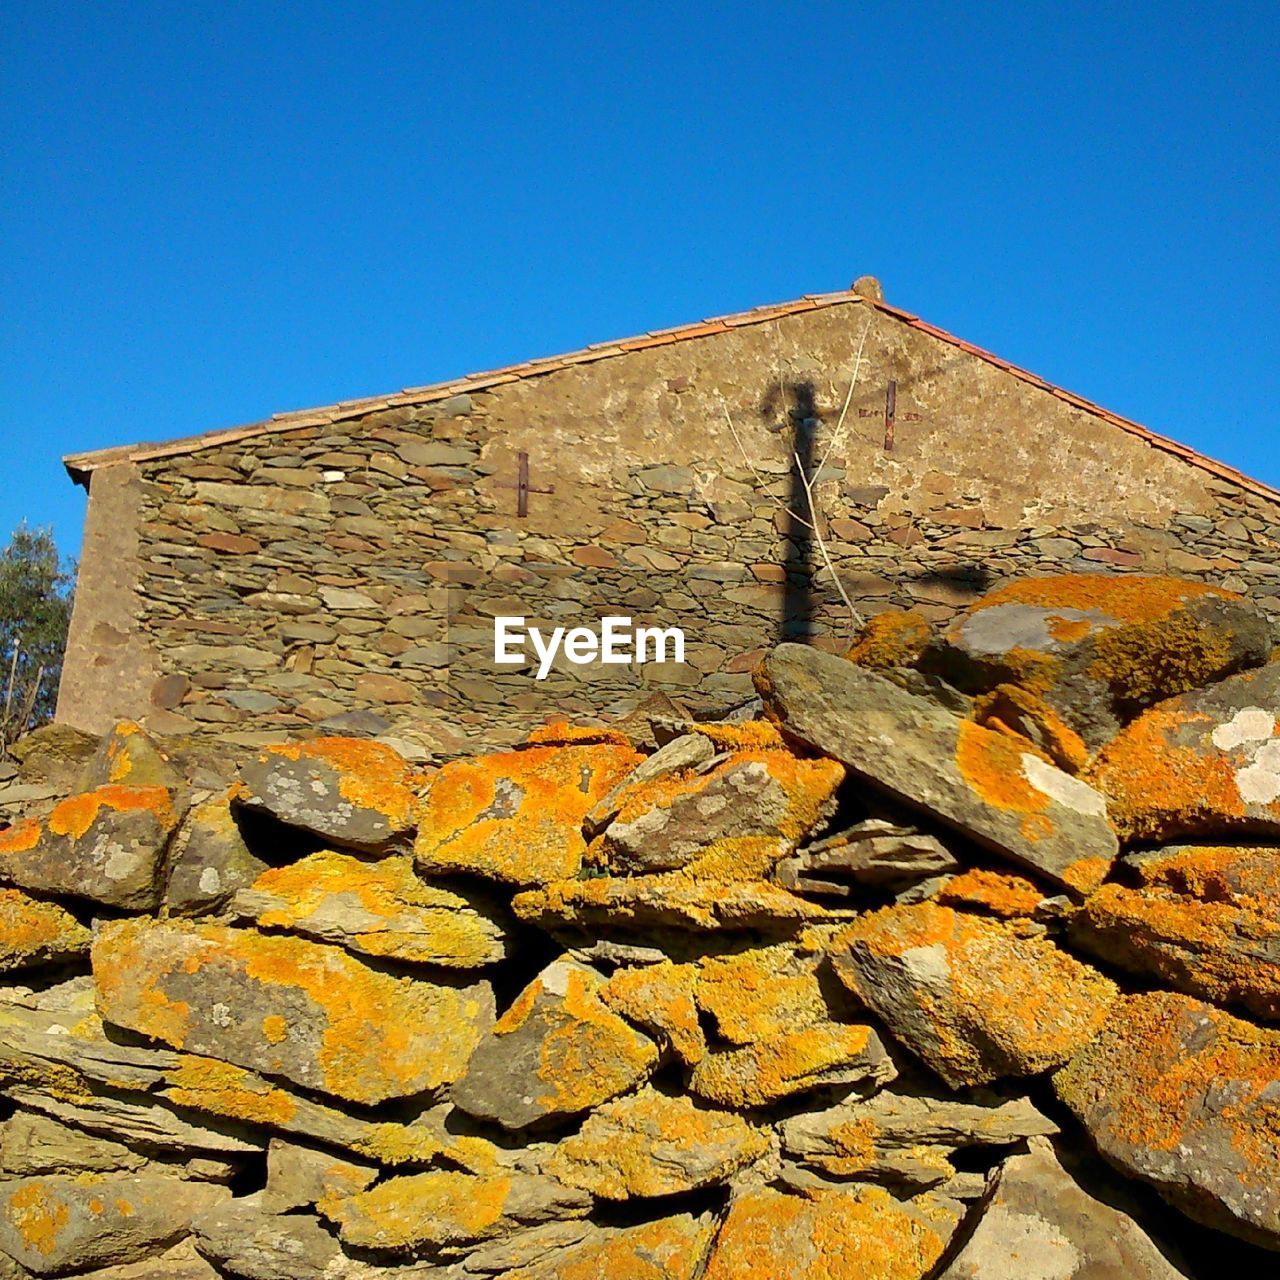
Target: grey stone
(688, 752)
(298, 1176)
(952, 770)
(209, 860)
(875, 854)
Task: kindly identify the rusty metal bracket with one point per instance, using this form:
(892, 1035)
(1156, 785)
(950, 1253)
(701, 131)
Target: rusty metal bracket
(522, 486)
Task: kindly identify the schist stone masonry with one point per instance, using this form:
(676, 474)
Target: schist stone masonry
(343, 568)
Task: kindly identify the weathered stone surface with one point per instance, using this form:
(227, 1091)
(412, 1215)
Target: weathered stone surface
(971, 997)
(906, 1139)
(374, 908)
(245, 1239)
(732, 822)
(983, 783)
(1004, 894)
(444, 1212)
(667, 901)
(54, 753)
(1098, 648)
(181, 1262)
(556, 1052)
(1039, 1222)
(1203, 764)
(288, 1007)
(208, 860)
(669, 1249)
(354, 792)
(838, 1235)
(298, 1176)
(678, 757)
(37, 933)
(32, 1144)
(895, 638)
(59, 1224)
(128, 755)
(1205, 920)
(874, 854)
(517, 817)
(655, 1144)
(105, 845)
(1186, 1097)
(661, 999)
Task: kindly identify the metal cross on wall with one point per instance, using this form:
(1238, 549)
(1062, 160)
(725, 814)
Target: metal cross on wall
(522, 486)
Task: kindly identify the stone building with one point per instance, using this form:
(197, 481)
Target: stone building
(341, 568)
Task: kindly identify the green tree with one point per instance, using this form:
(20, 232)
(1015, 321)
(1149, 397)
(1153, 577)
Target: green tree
(35, 610)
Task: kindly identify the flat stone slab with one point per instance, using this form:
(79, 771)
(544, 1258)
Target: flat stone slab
(348, 790)
(35, 933)
(1201, 765)
(1039, 1222)
(1186, 1097)
(971, 997)
(59, 1224)
(980, 782)
(374, 908)
(288, 1007)
(1203, 919)
(517, 816)
(105, 845)
(556, 1052)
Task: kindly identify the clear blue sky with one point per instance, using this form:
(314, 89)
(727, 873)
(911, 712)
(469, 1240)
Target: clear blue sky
(215, 211)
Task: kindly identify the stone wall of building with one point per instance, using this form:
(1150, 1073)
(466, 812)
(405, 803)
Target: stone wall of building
(345, 575)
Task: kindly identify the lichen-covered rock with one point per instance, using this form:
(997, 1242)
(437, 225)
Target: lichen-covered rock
(298, 1176)
(971, 997)
(1204, 764)
(655, 1144)
(208, 860)
(248, 1240)
(37, 933)
(181, 1262)
(32, 1145)
(59, 1224)
(732, 822)
(1013, 710)
(308, 1012)
(374, 908)
(1186, 1097)
(558, 1051)
(997, 893)
(677, 758)
(672, 901)
(106, 845)
(987, 785)
(669, 1249)
(661, 999)
(837, 1235)
(1205, 920)
(130, 756)
(874, 854)
(444, 1212)
(347, 790)
(1099, 648)
(906, 1139)
(517, 817)
(895, 638)
(1040, 1222)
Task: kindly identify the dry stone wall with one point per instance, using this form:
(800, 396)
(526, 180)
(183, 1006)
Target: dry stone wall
(921, 968)
(346, 575)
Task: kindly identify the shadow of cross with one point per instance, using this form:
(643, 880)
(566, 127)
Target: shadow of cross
(522, 486)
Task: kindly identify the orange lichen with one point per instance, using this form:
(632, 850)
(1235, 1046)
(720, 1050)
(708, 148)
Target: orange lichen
(380, 1036)
(575, 735)
(1156, 660)
(274, 1028)
(1152, 1062)
(669, 1249)
(829, 1235)
(22, 837)
(371, 775)
(1017, 712)
(1003, 894)
(660, 999)
(398, 915)
(1065, 630)
(205, 1084)
(992, 764)
(760, 993)
(38, 1215)
(420, 1208)
(1160, 778)
(996, 1003)
(749, 735)
(893, 639)
(517, 816)
(35, 932)
(1129, 598)
(76, 814)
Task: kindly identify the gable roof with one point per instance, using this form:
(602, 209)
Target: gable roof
(81, 465)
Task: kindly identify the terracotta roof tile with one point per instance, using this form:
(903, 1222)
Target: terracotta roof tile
(80, 465)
